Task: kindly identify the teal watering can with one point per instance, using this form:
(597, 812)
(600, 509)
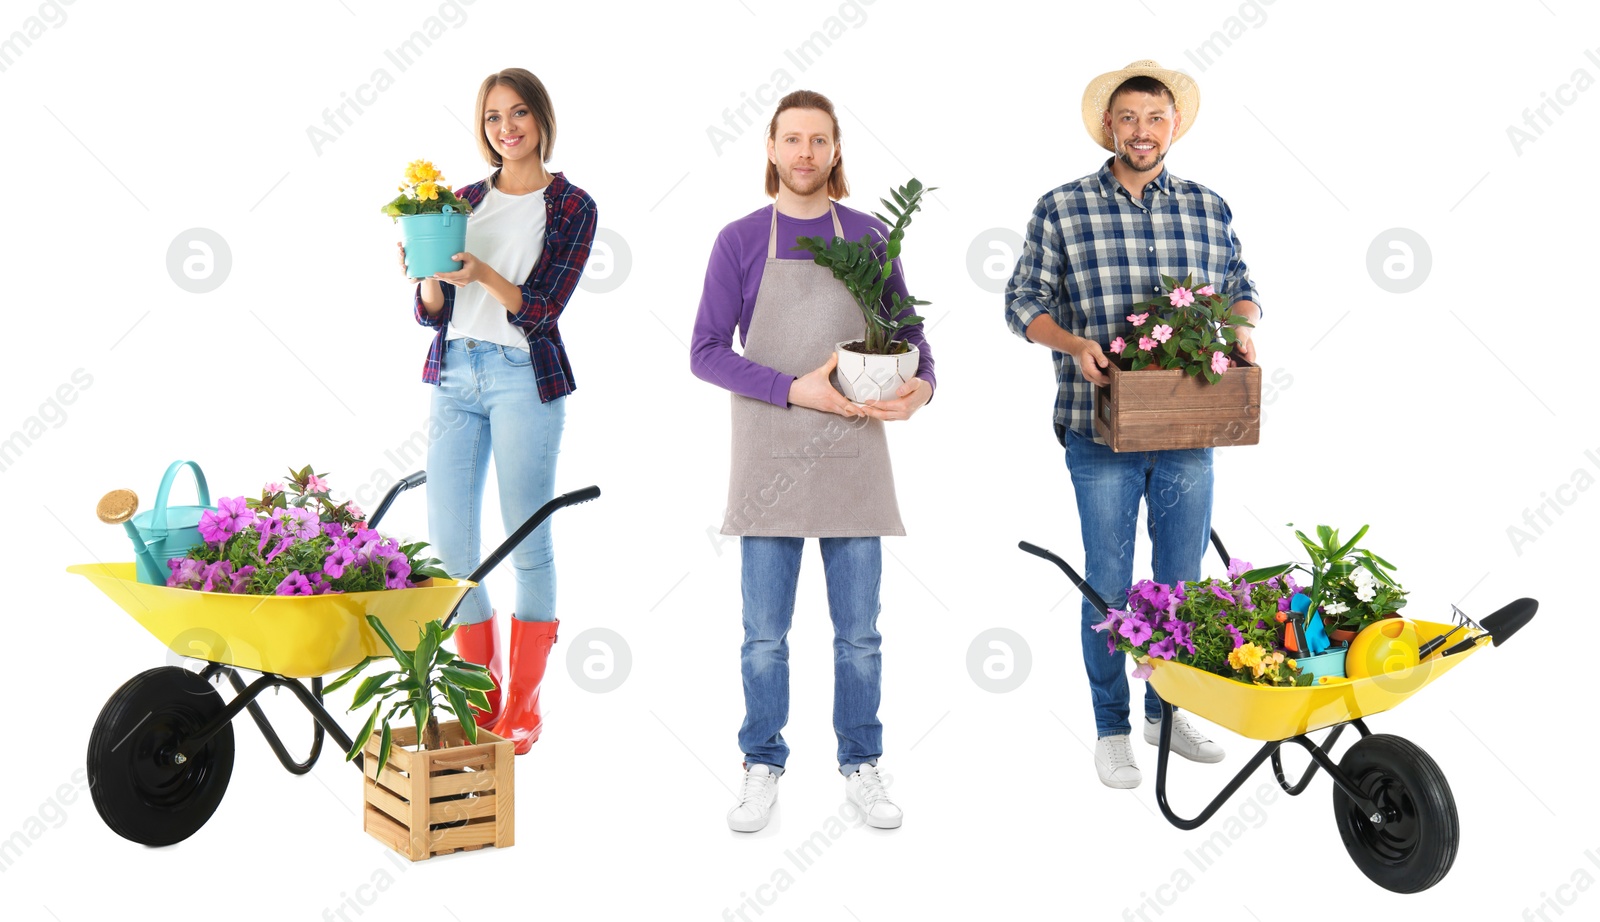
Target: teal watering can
(161, 533)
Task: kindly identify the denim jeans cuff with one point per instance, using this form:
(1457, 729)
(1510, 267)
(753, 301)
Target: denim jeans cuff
(851, 768)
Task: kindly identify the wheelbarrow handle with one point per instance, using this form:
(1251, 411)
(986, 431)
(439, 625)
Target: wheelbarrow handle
(527, 528)
(1082, 584)
(416, 479)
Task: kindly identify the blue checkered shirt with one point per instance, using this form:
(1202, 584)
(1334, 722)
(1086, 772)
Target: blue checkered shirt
(1092, 252)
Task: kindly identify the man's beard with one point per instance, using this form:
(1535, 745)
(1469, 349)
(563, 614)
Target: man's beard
(1127, 160)
(821, 179)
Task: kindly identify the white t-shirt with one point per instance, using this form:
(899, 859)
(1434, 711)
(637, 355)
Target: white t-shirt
(507, 233)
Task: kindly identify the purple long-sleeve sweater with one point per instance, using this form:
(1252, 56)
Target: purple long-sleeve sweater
(732, 280)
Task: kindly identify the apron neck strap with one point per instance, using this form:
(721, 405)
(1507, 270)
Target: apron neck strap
(772, 236)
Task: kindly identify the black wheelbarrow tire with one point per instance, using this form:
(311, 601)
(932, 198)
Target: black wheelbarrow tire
(142, 793)
(1415, 845)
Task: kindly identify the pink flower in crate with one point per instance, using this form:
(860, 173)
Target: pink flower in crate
(1137, 319)
(1147, 344)
(1219, 362)
(1118, 344)
(1181, 297)
(1161, 333)
(1205, 291)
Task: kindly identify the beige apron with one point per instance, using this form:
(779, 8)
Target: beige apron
(799, 472)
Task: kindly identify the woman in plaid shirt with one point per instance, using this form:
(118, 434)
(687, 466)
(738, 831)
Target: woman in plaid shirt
(501, 379)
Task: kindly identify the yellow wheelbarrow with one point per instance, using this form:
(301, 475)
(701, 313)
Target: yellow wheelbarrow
(161, 751)
(1393, 806)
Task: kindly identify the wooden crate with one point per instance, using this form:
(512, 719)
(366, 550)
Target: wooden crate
(438, 801)
(1158, 410)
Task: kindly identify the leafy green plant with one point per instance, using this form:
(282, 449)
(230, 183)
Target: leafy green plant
(1351, 585)
(423, 679)
(856, 264)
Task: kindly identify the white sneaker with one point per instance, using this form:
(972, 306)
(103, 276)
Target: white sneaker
(1186, 740)
(1113, 759)
(755, 800)
(865, 789)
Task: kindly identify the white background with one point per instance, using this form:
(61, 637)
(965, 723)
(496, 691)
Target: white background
(1439, 416)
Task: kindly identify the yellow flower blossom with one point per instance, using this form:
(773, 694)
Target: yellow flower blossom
(427, 191)
(419, 171)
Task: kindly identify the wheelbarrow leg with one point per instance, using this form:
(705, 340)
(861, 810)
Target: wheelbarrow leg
(1164, 749)
(271, 734)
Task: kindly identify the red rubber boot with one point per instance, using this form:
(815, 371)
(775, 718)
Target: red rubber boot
(479, 643)
(530, 648)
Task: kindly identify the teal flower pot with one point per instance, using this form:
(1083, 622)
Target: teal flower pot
(431, 239)
(164, 532)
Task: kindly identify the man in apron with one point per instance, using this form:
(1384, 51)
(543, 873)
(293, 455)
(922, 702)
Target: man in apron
(1094, 248)
(807, 463)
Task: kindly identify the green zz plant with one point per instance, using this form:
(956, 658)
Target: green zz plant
(854, 263)
(425, 677)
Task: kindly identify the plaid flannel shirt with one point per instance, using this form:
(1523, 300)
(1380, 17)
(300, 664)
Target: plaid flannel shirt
(570, 220)
(1091, 252)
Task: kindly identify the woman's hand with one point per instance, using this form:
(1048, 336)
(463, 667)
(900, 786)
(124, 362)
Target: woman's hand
(472, 269)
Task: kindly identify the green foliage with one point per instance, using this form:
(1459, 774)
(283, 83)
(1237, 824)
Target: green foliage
(1336, 588)
(856, 263)
(424, 677)
(407, 204)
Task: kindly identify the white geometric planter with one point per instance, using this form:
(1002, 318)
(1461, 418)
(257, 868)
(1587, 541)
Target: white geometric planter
(862, 377)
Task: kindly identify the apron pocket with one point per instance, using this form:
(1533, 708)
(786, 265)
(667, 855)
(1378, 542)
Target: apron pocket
(801, 432)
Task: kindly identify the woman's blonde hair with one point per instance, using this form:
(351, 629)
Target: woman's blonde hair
(534, 94)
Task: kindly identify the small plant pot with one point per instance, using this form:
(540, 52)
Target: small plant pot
(430, 241)
(433, 802)
(861, 377)
(1330, 663)
(1342, 635)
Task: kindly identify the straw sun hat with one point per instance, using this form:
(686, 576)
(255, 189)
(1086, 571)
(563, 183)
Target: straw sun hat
(1097, 97)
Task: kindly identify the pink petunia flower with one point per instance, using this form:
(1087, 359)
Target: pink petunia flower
(1181, 297)
(1118, 344)
(1137, 319)
(1143, 670)
(1146, 344)
(1161, 333)
(1219, 362)
(1205, 291)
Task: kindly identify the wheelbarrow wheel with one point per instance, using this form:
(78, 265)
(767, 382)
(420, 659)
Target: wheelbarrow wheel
(1415, 844)
(147, 786)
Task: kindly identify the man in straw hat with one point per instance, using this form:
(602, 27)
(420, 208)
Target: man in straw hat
(1094, 248)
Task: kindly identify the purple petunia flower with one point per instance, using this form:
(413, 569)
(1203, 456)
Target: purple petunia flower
(283, 545)
(1238, 638)
(222, 523)
(241, 579)
(333, 530)
(1143, 670)
(1165, 648)
(184, 572)
(340, 558)
(1108, 624)
(1237, 568)
(294, 584)
(1220, 593)
(1135, 629)
(218, 577)
(300, 522)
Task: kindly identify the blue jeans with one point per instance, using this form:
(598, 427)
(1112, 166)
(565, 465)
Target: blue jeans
(1176, 488)
(770, 570)
(488, 401)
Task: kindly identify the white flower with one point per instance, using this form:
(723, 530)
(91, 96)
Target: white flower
(1363, 577)
(1334, 608)
(1366, 591)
